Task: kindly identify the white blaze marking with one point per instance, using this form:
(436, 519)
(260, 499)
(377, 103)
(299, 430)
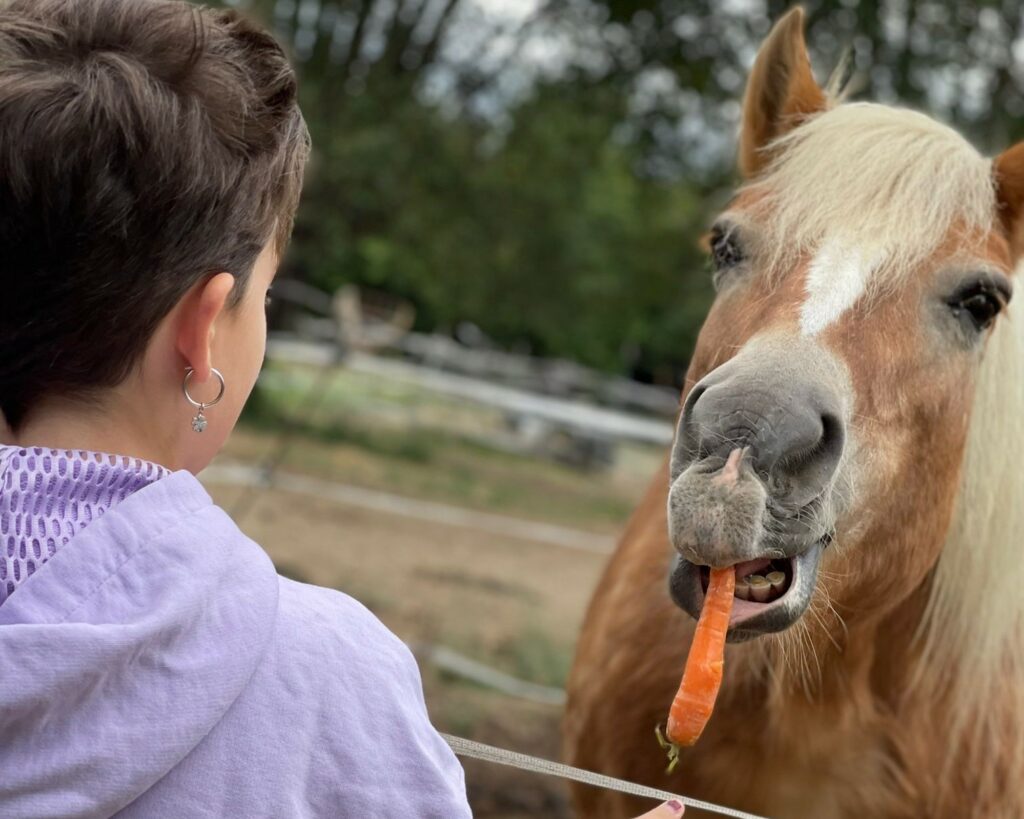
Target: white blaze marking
(836, 278)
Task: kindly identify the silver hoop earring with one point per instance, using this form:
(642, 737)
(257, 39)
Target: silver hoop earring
(199, 422)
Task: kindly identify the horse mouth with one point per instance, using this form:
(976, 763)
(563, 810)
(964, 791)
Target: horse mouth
(771, 593)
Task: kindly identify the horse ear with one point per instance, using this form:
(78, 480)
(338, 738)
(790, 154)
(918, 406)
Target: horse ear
(1008, 169)
(781, 91)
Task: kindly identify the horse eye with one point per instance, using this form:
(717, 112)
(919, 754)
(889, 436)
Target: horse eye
(983, 309)
(725, 249)
(979, 304)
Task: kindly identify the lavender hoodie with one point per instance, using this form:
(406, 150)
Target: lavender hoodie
(157, 666)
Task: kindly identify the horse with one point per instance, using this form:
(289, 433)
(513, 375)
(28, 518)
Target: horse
(862, 365)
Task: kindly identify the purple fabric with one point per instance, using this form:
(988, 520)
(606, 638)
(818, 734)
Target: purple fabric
(157, 666)
(48, 495)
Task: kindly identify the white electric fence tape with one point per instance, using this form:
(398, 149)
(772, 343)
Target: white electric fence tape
(488, 753)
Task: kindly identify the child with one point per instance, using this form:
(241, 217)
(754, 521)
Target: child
(154, 664)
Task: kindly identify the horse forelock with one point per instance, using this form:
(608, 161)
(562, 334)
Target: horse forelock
(887, 184)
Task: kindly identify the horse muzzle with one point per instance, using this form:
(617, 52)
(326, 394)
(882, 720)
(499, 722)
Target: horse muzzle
(754, 467)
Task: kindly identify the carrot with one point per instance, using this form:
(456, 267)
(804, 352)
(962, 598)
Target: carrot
(695, 699)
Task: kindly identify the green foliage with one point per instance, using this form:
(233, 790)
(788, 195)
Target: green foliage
(566, 222)
(551, 239)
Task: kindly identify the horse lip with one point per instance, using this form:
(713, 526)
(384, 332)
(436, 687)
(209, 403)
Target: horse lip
(685, 590)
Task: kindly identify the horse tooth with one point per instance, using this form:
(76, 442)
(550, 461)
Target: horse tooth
(777, 581)
(742, 589)
(760, 589)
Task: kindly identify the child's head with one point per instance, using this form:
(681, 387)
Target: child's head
(151, 157)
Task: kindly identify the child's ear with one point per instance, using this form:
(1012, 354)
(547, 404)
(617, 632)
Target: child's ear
(198, 312)
(781, 92)
(1008, 169)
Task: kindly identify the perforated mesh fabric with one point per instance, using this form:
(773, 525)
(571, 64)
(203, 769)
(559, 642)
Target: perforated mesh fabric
(47, 496)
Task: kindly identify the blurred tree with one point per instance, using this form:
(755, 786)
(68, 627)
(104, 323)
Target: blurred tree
(545, 174)
(963, 62)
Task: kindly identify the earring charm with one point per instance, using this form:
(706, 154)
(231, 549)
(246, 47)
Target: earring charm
(199, 421)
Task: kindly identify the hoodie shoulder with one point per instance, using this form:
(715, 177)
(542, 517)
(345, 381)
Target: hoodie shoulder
(333, 721)
(372, 721)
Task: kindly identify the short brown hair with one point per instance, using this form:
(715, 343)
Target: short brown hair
(144, 144)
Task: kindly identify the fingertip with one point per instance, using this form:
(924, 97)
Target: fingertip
(666, 810)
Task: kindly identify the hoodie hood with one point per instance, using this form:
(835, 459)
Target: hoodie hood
(125, 649)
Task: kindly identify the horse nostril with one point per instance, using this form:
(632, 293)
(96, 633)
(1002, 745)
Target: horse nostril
(690, 432)
(809, 456)
(694, 396)
(833, 434)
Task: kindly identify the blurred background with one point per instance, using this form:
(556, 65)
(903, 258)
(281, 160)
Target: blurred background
(493, 290)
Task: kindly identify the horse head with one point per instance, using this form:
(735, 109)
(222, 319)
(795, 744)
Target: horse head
(855, 365)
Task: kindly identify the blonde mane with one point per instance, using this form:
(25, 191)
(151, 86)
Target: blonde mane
(885, 181)
(973, 629)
